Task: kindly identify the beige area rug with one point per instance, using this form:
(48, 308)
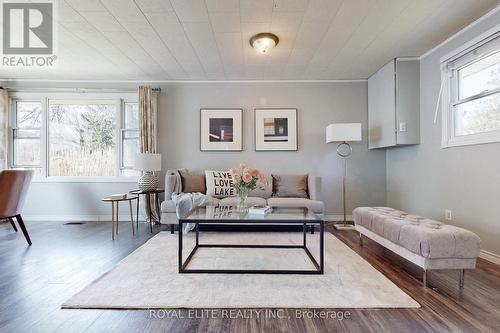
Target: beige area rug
(148, 278)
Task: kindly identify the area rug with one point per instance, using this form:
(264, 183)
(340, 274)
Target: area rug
(148, 278)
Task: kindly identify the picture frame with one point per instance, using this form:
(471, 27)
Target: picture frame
(221, 129)
(276, 129)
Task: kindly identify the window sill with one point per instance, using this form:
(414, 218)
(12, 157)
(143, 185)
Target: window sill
(85, 180)
(469, 141)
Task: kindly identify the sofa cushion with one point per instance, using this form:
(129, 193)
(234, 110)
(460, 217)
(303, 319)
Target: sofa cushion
(233, 201)
(312, 205)
(168, 206)
(219, 184)
(290, 186)
(192, 181)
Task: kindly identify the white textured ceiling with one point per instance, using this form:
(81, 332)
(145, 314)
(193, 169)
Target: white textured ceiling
(208, 39)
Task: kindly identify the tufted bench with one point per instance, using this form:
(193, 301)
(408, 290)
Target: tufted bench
(427, 243)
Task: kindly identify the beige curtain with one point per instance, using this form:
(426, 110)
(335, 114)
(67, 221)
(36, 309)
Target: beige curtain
(148, 135)
(4, 100)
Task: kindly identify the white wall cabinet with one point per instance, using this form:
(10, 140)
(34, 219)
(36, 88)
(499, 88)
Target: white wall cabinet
(394, 104)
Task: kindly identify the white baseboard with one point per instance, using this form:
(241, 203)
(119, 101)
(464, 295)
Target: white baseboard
(125, 217)
(336, 218)
(76, 218)
(489, 256)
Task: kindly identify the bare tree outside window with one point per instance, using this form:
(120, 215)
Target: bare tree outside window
(479, 115)
(82, 140)
(26, 136)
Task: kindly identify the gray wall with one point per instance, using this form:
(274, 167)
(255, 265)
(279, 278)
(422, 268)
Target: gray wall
(318, 104)
(427, 179)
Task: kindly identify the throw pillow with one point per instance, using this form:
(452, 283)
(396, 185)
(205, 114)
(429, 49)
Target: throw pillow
(192, 181)
(290, 186)
(219, 184)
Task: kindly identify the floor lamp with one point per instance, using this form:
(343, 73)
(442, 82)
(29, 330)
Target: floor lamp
(343, 133)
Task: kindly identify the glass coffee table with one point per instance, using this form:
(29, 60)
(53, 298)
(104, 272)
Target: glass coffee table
(225, 216)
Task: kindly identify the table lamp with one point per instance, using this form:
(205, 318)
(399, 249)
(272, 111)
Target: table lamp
(147, 163)
(343, 133)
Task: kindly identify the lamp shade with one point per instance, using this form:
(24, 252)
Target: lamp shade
(147, 162)
(343, 132)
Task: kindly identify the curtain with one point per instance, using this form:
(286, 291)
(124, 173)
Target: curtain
(3, 128)
(148, 136)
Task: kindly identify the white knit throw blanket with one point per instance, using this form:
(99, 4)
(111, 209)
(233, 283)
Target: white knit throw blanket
(186, 202)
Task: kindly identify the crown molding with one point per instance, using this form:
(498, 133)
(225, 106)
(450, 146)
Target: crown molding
(5, 81)
(461, 31)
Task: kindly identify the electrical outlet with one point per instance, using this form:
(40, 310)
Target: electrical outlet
(402, 127)
(447, 214)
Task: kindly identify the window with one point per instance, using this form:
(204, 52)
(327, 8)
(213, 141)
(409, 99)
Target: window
(75, 136)
(82, 140)
(26, 135)
(472, 111)
(129, 138)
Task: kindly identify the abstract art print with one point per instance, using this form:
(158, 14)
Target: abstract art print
(275, 129)
(221, 130)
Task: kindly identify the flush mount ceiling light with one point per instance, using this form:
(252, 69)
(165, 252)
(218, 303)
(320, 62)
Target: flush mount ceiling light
(264, 41)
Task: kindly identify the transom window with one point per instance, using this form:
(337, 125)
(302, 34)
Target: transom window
(472, 110)
(76, 136)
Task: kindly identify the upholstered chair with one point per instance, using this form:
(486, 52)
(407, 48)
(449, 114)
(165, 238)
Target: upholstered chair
(14, 185)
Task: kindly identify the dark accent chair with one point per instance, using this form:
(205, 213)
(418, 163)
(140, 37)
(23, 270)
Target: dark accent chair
(14, 185)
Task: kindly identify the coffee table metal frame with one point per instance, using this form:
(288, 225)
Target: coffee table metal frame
(253, 222)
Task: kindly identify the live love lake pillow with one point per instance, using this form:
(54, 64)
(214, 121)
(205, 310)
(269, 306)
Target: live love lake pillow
(219, 184)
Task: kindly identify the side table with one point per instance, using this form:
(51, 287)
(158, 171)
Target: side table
(148, 195)
(114, 203)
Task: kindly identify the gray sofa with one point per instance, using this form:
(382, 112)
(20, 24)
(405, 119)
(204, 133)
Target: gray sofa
(169, 216)
(427, 243)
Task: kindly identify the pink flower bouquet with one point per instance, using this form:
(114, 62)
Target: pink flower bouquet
(246, 179)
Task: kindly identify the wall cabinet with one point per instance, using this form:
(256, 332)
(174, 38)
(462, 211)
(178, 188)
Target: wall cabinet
(394, 104)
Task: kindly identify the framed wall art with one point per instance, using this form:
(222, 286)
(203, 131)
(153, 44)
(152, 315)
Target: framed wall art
(275, 129)
(221, 130)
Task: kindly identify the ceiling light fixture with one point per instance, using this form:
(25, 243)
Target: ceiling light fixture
(264, 41)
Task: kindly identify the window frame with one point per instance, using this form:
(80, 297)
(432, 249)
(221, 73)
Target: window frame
(450, 65)
(123, 130)
(119, 99)
(13, 136)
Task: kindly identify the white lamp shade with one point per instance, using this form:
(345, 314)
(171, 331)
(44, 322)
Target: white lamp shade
(147, 162)
(343, 132)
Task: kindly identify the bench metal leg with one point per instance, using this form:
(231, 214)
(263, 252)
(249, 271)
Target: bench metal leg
(361, 239)
(461, 279)
(424, 278)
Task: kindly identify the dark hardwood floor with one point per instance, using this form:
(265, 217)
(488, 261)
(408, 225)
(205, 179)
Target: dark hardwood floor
(36, 280)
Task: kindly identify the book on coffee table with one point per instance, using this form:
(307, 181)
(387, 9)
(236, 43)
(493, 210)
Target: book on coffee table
(259, 210)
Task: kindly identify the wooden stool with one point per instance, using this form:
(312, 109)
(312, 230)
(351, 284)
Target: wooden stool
(115, 202)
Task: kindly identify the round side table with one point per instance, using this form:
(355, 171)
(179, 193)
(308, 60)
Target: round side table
(114, 203)
(148, 195)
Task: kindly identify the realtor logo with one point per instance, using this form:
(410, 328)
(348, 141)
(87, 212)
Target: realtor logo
(27, 28)
(28, 32)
